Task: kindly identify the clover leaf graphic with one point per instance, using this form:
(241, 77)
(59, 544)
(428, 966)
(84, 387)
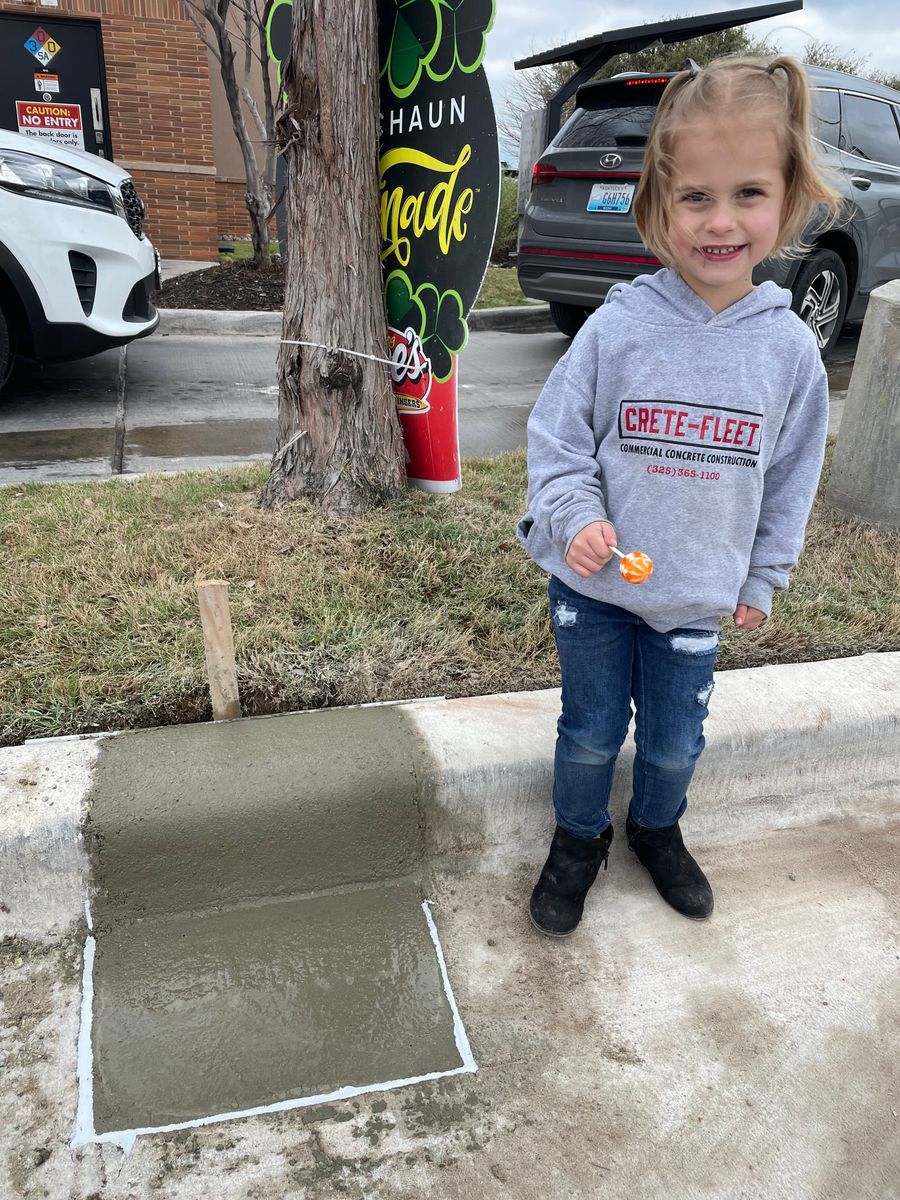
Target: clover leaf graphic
(404, 309)
(407, 43)
(436, 316)
(278, 35)
(463, 37)
(446, 331)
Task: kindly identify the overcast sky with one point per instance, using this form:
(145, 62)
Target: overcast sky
(526, 27)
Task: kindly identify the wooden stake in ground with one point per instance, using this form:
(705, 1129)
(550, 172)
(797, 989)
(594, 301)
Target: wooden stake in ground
(221, 671)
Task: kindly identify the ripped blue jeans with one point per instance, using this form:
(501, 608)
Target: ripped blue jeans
(609, 657)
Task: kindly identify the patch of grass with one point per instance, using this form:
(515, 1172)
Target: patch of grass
(430, 596)
(243, 249)
(500, 289)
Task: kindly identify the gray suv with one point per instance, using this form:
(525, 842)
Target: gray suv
(578, 235)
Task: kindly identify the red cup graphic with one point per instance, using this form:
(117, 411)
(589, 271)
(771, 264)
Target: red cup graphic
(427, 410)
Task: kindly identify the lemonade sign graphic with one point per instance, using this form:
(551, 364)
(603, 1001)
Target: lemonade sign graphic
(440, 188)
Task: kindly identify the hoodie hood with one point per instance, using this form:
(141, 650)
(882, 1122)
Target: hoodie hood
(665, 299)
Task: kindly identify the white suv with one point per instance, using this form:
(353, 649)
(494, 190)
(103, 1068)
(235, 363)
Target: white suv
(76, 271)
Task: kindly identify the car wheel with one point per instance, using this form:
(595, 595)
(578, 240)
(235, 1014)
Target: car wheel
(568, 318)
(820, 297)
(7, 350)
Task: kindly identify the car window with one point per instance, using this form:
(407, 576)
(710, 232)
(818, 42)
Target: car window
(870, 130)
(826, 121)
(611, 118)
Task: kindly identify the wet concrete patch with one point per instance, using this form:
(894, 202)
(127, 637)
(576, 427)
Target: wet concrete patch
(194, 816)
(260, 937)
(278, 1005)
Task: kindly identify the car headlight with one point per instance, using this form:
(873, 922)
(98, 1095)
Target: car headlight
(29, 175)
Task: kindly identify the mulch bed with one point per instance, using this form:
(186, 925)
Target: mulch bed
(233, 286)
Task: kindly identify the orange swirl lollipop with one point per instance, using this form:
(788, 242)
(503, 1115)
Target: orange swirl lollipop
(635, 567)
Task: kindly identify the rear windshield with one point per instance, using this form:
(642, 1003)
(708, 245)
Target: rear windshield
(615, 116)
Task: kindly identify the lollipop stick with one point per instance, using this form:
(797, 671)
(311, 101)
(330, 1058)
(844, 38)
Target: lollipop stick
(616, 550)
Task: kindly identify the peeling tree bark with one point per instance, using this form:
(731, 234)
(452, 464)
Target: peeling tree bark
(339, 440)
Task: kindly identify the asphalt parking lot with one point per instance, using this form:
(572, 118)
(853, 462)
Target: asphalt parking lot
(173, 402)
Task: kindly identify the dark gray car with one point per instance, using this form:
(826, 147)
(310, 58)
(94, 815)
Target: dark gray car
(578, 235)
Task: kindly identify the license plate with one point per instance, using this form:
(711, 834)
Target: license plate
(611, 197)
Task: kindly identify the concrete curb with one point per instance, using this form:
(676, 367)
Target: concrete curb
(786, 746)
(200, 322)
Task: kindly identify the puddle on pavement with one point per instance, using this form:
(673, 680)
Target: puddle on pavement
(260, 935)
(206, 439)
(202, 1016)
(43, 447)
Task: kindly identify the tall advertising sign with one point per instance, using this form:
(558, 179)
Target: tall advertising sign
(440, 190)
(278, 43)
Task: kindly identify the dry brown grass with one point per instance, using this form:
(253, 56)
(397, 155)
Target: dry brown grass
(432, 596)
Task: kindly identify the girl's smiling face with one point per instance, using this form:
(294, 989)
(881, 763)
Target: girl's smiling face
(727, 197)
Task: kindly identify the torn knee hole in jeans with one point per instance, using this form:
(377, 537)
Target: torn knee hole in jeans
(703, 643)
(563, 615)
(705, 692)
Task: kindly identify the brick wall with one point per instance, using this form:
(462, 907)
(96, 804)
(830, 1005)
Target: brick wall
(157, 79)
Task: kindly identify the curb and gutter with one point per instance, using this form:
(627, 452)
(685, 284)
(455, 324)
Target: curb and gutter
(198, 322)
(792, 745)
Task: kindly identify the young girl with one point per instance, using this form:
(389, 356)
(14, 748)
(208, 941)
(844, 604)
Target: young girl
(688, 421)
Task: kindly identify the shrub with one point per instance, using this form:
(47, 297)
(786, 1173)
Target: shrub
(507, 221)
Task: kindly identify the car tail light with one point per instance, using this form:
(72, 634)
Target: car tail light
(547, 173)
(542, 173)
(643, 82)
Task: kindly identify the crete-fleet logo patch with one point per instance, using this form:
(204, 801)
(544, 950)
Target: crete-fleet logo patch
(410, 372)
(701, 426)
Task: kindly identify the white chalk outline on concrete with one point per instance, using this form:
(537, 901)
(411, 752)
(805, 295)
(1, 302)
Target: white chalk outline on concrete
(462, 1042)
(85, 1134)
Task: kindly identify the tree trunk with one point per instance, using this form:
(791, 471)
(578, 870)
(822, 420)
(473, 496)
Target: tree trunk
(259, 207)
(339, 440)
(258, 193)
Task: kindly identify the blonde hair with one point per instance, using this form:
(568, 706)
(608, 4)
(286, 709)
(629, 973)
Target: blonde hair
(772, 91)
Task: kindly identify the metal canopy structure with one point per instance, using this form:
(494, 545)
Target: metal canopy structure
(591, 53)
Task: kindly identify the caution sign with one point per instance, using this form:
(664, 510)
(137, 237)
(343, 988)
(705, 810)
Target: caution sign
(59, 123)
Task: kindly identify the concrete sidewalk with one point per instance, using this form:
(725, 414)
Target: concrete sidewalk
(618, 1063)
(203, 322)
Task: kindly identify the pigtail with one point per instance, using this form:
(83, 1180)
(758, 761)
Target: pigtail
(674, 86)
(799, 93)
(810, 193)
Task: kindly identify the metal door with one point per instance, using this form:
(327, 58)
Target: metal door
(53, 81)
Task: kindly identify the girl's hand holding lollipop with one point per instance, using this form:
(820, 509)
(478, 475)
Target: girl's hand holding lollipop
(592, 548)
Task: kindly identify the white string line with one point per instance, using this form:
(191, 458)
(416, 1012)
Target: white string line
(340, 350)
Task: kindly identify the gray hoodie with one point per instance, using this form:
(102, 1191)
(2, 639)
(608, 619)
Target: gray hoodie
(699, 435)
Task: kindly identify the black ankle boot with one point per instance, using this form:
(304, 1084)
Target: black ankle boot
(675, 873)
(557, 901)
